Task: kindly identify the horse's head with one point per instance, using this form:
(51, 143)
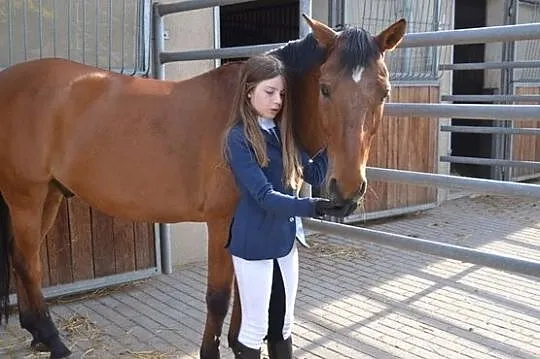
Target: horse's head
(353, 84)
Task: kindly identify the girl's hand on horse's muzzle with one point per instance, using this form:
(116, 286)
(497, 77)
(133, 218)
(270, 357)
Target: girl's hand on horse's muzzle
(324, 206)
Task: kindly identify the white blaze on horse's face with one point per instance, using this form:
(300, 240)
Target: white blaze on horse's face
(357, 74)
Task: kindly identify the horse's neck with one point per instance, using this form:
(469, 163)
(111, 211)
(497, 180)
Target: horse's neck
(306, 111)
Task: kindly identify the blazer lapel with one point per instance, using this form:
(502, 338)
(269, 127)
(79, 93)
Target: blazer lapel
(273, 136)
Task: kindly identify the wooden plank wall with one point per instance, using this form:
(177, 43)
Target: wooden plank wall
(407, 144)
(85, 243)
(526, 147)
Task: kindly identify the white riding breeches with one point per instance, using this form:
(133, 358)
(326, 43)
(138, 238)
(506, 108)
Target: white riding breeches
(267, 291)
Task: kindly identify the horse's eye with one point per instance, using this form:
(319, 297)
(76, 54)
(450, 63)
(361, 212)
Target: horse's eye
(325, 90)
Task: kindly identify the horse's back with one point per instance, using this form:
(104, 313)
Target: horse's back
(108, 137)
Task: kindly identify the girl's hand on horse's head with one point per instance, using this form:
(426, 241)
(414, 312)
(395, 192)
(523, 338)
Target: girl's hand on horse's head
(324, 206)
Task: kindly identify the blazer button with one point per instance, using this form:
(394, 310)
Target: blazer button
(291, 219)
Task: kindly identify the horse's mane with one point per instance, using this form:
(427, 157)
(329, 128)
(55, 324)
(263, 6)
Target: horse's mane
(299, 56)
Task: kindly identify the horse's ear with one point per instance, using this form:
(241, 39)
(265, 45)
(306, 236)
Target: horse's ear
(389, 38)
(324, 35)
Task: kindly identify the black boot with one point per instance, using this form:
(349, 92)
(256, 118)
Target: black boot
(280, 349)
(242, 352)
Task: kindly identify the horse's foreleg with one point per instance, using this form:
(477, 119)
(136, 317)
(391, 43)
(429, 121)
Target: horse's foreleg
(27, 214)
(236, 318)
(50, 211)
(218, 291)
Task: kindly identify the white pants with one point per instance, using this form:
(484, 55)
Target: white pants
(254, 279)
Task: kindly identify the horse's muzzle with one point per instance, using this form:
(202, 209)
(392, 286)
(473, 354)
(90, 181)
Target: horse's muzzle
(351, 203)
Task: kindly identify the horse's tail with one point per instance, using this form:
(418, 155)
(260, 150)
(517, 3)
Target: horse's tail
(5, 267)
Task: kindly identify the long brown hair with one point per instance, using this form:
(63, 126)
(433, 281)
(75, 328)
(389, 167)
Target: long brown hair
(257, 69)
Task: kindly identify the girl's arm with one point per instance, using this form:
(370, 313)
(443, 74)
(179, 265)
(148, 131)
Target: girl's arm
(249, 175)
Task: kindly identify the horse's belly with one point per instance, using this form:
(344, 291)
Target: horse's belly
(148, 188)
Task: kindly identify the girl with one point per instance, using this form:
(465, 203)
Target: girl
(268, 167)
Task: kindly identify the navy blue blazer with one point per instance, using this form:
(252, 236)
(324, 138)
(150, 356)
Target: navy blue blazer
(264, 225)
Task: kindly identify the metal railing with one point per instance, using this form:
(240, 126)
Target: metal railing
(113, 35)
(450, 37)
(407, 63)
(492, 130)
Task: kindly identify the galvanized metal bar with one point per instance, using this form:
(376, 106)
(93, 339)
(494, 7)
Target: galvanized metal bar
(449, 37)
(122, 67)
(25, 29)
(147, 30)
(81, 286)
(83, 32)
(434, 49)
(40, 19)
(478, 112)
(472, 35)
(137, 41)
(223, 53)
(467, 255)
(491, 130)
(304, 30)
(97, 34)
(10, 32)
(188, 5)
(490, 162)
(217, 32)
(165, 236)
(68, 27)
(158, 43)
(157, 247)
(490, 65)
(362, 216)
(491, 98)
(163, 229)
(304, 7)
(110, 34)
(54, 28)
(506, 88)
(446, 181)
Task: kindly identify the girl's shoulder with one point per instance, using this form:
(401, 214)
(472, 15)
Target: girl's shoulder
(237, 131)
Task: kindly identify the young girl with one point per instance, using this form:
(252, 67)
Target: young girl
(268, 168)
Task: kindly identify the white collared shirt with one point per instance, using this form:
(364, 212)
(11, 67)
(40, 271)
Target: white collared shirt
(267, 124)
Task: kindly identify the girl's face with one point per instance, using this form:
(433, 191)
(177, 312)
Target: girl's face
(267, 97)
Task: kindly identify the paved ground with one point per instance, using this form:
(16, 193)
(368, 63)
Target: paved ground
(356, 300)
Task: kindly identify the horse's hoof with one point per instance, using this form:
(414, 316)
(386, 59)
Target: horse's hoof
(214, 354)
(38, 346)
(210, 351)
(58, 349)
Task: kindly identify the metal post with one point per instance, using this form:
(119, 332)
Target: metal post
(165, 239)
(503, 142)
(303, 30)
(304, 8)
(158, 43)
(407, 52)
(158, 72)
(336, 13)
(434, 49)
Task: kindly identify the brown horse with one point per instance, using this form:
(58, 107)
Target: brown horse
(149, 150)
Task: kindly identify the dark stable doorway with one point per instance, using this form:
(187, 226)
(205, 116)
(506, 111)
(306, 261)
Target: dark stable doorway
(471, 82)
(259, 22)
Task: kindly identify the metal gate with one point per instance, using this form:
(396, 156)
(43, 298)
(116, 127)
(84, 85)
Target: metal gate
(114, 35)
(86, 249)
(412, 40)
